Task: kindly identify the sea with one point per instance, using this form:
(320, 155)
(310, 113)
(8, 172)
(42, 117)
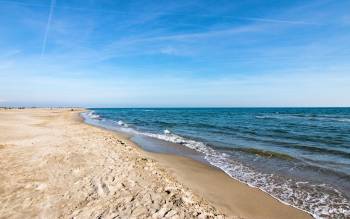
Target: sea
(300, 156)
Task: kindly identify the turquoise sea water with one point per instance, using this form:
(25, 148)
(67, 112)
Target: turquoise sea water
(301, 156)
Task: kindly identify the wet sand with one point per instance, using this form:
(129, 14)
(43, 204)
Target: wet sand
(52, 165)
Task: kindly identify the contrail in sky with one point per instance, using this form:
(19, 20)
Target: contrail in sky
(43, 48)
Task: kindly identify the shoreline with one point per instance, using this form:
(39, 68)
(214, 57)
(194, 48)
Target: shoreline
(177, 163)
(34, 136)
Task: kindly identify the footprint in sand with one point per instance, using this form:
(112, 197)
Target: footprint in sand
(100, 187)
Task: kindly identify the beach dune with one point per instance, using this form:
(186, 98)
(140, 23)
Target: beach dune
(53, 165)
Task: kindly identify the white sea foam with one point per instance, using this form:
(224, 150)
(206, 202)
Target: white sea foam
(92, 115)
(343, 120)
(120, 123)
(123, 124)
(263, 117)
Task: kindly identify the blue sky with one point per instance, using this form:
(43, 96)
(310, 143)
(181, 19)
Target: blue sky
(112, 53)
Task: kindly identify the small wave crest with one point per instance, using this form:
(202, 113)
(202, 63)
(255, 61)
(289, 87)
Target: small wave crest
(264, 153)
(195, 145)
(92, 115)
(123, 124)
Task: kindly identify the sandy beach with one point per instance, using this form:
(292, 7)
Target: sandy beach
(53, 165)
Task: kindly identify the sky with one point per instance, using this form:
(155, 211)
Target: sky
(113, 53)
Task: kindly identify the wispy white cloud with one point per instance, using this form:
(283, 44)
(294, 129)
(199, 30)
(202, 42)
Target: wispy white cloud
(7, 58)
(269, 20)
(9, 53)
(43, 48)
(128, 45)
(170, 50)
(208, 34)
(150, 16)
(61, 7)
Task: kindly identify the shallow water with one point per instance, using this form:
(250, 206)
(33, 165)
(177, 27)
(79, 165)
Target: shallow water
(299, 155)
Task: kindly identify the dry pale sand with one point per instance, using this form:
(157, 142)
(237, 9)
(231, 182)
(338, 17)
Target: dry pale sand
(52, 165)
